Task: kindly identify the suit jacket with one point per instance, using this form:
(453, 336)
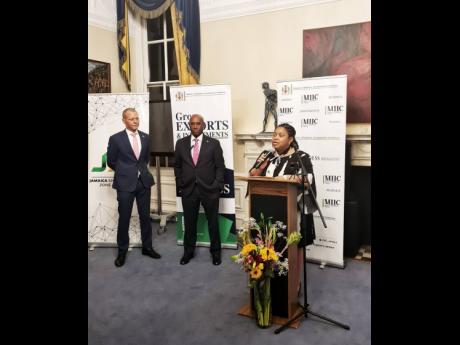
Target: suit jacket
(122, 160)
(208, 174)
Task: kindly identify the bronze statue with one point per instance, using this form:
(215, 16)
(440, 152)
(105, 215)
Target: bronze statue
(271, 100)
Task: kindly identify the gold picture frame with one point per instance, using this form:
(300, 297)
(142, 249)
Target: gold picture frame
(98, 77)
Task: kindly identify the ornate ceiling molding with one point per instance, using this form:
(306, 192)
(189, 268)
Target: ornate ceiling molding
(103, 14)
(213, 10)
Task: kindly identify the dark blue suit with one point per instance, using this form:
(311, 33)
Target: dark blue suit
(132, 181)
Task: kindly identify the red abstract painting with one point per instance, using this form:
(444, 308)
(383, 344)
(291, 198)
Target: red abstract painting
(342, 50)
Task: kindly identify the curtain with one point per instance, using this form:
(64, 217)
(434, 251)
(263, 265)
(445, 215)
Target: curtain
(123, 42)
(146, 9)
(149, 8)
(186, 27)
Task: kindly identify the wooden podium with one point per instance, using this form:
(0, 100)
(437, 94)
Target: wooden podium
(278, 199)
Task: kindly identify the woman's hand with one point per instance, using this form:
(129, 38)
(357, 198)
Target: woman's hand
(295, 178)
(258, 171)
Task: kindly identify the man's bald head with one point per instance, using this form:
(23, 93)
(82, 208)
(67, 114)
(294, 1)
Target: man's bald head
(196, 124)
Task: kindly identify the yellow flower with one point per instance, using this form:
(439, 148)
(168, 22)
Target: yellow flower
(272, 255)
(268, 254)
(248, 248)
(256, 272)
(264, 254)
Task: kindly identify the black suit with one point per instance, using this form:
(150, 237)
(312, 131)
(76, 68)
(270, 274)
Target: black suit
(132, 181)
(200, 183)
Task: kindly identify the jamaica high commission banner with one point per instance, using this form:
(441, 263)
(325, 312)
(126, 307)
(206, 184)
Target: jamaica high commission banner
(105, 119)
(316, 108)
(213, 102)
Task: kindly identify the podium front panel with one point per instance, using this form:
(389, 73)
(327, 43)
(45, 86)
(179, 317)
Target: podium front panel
(274, 206)
(278, 199)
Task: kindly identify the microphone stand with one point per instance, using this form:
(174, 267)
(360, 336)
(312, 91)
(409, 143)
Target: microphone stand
(305, 310)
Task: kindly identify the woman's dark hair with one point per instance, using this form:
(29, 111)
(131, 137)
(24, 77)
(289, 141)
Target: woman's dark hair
(291, 132)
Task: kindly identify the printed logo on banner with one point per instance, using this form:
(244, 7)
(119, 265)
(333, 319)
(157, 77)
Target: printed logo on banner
(103, 166)
(180, 96)
(286, 90)
(308, 122)
(327, 203)
(304, 99)
(334, 109)
(328, 179)
(286, 110)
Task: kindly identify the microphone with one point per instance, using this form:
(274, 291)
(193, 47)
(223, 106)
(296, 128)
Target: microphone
(265, 155)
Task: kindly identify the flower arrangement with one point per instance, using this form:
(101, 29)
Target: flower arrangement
(259, 258)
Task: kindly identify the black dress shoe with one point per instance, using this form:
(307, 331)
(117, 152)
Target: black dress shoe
(150, 252)
(216, 258)
(120, 260)
(185, 259)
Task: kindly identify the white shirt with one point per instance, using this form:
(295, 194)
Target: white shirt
(131, 138)
(192, 143)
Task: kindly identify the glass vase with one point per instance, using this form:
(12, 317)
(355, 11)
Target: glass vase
(263, 302)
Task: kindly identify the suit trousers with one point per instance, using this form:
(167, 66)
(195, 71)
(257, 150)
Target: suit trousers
(125, 208)
(191, 206)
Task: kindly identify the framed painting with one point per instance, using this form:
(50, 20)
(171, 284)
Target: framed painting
(98, 77)
(339, 50)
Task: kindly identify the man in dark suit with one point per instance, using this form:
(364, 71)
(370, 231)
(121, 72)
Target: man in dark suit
(199, 168)
(128, 155)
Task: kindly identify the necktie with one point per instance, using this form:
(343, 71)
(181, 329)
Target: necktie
(195, 151)
(135, 145)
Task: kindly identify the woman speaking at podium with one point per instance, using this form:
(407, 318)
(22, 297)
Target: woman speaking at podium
(283, 163)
